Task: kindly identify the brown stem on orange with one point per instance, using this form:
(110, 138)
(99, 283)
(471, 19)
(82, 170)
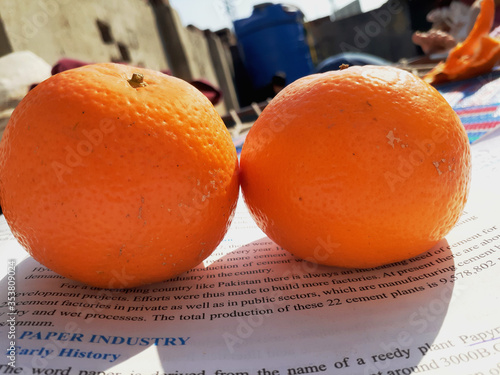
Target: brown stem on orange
(137, 80)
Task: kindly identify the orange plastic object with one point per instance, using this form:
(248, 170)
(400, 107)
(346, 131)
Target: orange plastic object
(476, 55)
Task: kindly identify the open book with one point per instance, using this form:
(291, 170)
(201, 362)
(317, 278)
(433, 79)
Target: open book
(252, 308)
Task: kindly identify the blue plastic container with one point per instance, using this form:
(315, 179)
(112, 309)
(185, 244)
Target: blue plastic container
(273, 40)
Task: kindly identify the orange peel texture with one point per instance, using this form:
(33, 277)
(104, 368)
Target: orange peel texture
(117, 176)
(356, 168)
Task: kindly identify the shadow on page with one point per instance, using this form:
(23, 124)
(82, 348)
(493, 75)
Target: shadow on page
(252, 309)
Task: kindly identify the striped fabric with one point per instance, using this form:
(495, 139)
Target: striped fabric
(477, 102)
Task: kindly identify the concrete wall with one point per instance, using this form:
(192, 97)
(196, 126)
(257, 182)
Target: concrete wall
(89, 30)
(138, 32)
(201, 62)
(384, 32)
(223, 66)
(193, 54)
(198, 55)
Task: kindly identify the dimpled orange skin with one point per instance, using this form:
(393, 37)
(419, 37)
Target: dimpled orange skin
(356, 168)
(113, 185)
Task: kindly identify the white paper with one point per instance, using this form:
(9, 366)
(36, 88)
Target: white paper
(252, 308)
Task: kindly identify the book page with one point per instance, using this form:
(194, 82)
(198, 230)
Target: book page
(252, 308)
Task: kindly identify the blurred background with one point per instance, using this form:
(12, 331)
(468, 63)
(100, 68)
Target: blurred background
(240, 53)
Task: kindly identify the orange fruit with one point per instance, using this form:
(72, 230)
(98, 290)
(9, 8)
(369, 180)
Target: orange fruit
(116, 180)
(356, 168)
